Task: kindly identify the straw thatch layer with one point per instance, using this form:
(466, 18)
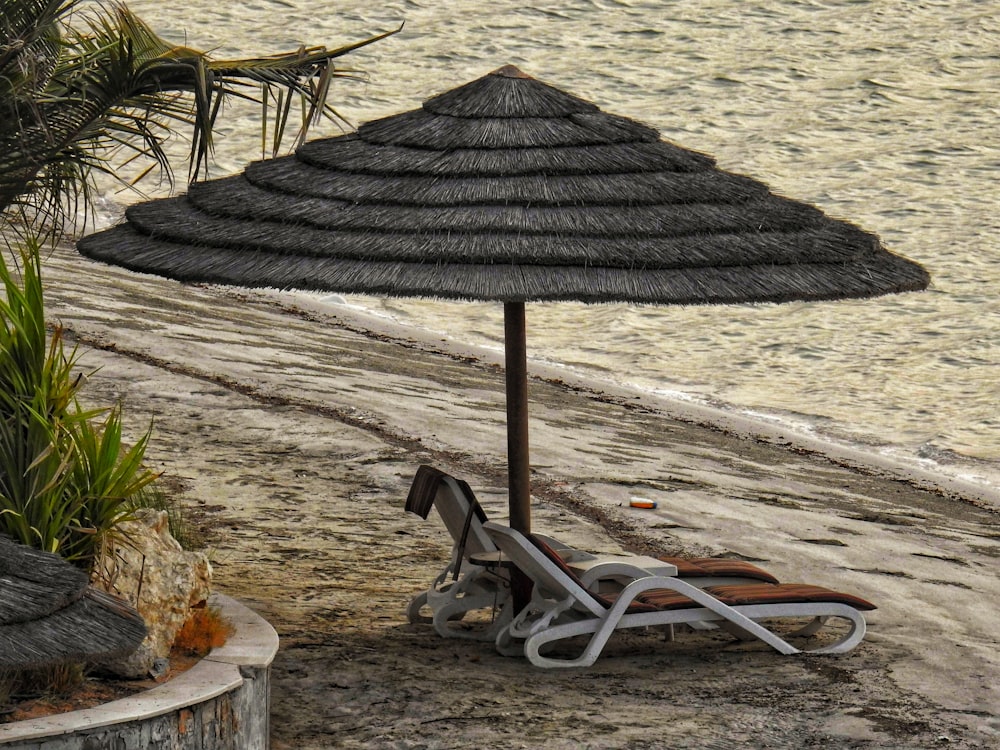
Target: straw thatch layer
(175, 222)
(505, 95)
(97, 625)
(770, 214)
(49, 614)
(34, 584)
(803, 281)
(580, 191)
(351, 154)
(505, 189)
(421, 129)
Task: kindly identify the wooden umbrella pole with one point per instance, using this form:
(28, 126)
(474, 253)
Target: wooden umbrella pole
(518, 465)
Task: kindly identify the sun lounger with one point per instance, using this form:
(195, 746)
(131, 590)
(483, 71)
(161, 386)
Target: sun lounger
(562, 607)
(464, 586)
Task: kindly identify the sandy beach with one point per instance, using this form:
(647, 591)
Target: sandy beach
(293, 433)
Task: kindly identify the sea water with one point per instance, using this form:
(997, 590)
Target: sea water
(880, 112)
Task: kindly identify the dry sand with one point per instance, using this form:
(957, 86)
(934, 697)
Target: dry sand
(294, 435)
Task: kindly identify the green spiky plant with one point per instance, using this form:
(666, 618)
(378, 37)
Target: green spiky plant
(85, 85)
(37, 389)
(66, 477)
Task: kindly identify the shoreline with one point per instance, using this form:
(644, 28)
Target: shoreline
(729, 421)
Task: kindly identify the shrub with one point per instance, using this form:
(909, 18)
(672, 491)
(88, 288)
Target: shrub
(54, 681)
(204, 630)
(65, 475)
(154, 497)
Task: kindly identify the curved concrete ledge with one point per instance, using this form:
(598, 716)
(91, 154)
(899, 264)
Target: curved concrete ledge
(221, 703)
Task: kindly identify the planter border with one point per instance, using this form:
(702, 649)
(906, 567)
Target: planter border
(247, 654)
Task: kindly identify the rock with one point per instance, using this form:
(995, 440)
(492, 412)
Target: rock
(160, 668)
(163, 582)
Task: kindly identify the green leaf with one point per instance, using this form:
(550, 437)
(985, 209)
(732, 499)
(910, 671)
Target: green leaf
(100, 92)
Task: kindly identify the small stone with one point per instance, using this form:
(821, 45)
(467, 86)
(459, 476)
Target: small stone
(160, 668)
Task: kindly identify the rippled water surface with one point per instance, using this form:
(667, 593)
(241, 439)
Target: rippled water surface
(883, 113)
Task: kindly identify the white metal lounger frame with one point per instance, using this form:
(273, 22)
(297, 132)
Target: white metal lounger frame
(450, 597)
(477, 587)
(560, 608)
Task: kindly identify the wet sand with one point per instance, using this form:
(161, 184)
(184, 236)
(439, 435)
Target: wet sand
(293, 435)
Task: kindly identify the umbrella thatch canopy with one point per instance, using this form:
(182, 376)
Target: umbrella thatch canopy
(49, 614)
(511, 190)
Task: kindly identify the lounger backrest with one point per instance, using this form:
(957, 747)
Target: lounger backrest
(553, 580)
(456, 505)
(453, 499)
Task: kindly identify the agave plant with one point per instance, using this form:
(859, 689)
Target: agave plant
(37, 390)
(86, 85)
(66, 477)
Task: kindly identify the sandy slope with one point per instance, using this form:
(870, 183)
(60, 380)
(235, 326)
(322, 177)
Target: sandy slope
(296, 436)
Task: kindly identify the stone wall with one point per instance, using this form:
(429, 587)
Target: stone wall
(222, 703)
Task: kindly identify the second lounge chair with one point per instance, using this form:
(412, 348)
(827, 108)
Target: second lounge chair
(562, 607)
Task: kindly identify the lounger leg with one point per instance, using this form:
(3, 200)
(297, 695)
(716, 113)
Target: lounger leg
(417, 603)
(587, 657)
(507, 645)
(854, 636)
(456, 610)
(421, 600)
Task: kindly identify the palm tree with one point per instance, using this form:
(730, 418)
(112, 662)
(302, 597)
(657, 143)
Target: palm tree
(93, 88)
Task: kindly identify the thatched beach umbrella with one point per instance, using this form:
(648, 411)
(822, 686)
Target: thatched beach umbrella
(505, 189)
(50, 615)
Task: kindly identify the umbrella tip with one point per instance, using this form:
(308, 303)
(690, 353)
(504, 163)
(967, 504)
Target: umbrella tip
(510, 71)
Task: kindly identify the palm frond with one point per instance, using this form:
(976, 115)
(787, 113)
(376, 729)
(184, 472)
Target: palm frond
(29, 47)
(113, 91)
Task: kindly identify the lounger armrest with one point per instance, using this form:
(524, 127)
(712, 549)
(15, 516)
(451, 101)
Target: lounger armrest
(612, 569)
(622, 566)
